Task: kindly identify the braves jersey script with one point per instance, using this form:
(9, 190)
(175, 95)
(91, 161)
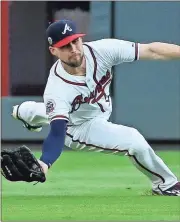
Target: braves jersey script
(81, 98)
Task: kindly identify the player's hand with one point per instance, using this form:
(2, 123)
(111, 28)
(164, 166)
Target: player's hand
(21, 165)
(44, 166)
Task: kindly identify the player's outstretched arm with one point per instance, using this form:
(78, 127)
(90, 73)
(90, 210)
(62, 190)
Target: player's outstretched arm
(53, 144)
(159, 51)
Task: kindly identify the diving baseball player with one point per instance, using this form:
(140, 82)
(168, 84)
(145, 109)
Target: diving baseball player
(77, 103)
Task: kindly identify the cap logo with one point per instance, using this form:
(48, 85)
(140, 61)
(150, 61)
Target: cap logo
(50, 40)
(67, 28)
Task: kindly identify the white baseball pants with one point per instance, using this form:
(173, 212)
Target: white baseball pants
(103, 136)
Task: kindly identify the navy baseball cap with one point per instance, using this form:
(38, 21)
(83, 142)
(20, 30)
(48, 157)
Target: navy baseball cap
(62, 32)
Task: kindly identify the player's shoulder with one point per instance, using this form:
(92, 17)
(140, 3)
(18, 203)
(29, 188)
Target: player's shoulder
(53, 78)
(52, 75)
(56, 86)
(53, 84)
(103, 44)
(53, 67)
(102, 49)
(53, 90)
(97, 43)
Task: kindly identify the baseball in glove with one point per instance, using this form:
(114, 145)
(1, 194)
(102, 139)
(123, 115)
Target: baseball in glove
(21, 165)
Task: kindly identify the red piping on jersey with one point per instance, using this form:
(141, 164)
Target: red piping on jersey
(95, 63)
(121, 151)
(59, 117)
(67, 81)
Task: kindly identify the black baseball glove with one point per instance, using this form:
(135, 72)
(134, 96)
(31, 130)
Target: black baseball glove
(21, 165)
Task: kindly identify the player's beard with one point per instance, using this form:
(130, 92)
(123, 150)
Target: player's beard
(74, 64)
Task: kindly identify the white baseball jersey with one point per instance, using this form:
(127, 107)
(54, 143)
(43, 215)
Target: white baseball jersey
(81, 98)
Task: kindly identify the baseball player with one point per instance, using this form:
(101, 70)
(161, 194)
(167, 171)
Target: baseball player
(77, 103)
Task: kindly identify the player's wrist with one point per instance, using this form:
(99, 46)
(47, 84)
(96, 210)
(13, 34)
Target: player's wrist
(44, 166)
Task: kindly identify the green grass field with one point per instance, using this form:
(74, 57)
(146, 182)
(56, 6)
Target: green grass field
(91, 186)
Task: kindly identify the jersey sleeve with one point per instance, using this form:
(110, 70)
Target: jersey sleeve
(115, 51)
(56, 108)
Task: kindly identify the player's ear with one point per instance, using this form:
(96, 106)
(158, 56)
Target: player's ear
(52, 50)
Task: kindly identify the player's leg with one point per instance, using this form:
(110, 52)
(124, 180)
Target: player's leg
(107, 137)
(32, 114)
(104, 136)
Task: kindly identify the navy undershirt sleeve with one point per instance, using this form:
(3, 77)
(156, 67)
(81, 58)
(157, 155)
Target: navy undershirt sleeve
(54, 143)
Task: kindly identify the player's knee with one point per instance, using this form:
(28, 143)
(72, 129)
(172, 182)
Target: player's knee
(139, 144)
(26, 110)
(135, 134)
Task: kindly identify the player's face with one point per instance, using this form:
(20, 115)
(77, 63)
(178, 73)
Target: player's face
(71, 54)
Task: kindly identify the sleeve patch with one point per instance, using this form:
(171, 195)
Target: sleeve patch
(50, 106)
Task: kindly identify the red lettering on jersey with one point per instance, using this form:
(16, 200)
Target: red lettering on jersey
(94, 96)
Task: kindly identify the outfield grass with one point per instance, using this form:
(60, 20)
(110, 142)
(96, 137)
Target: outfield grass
(91, 186)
